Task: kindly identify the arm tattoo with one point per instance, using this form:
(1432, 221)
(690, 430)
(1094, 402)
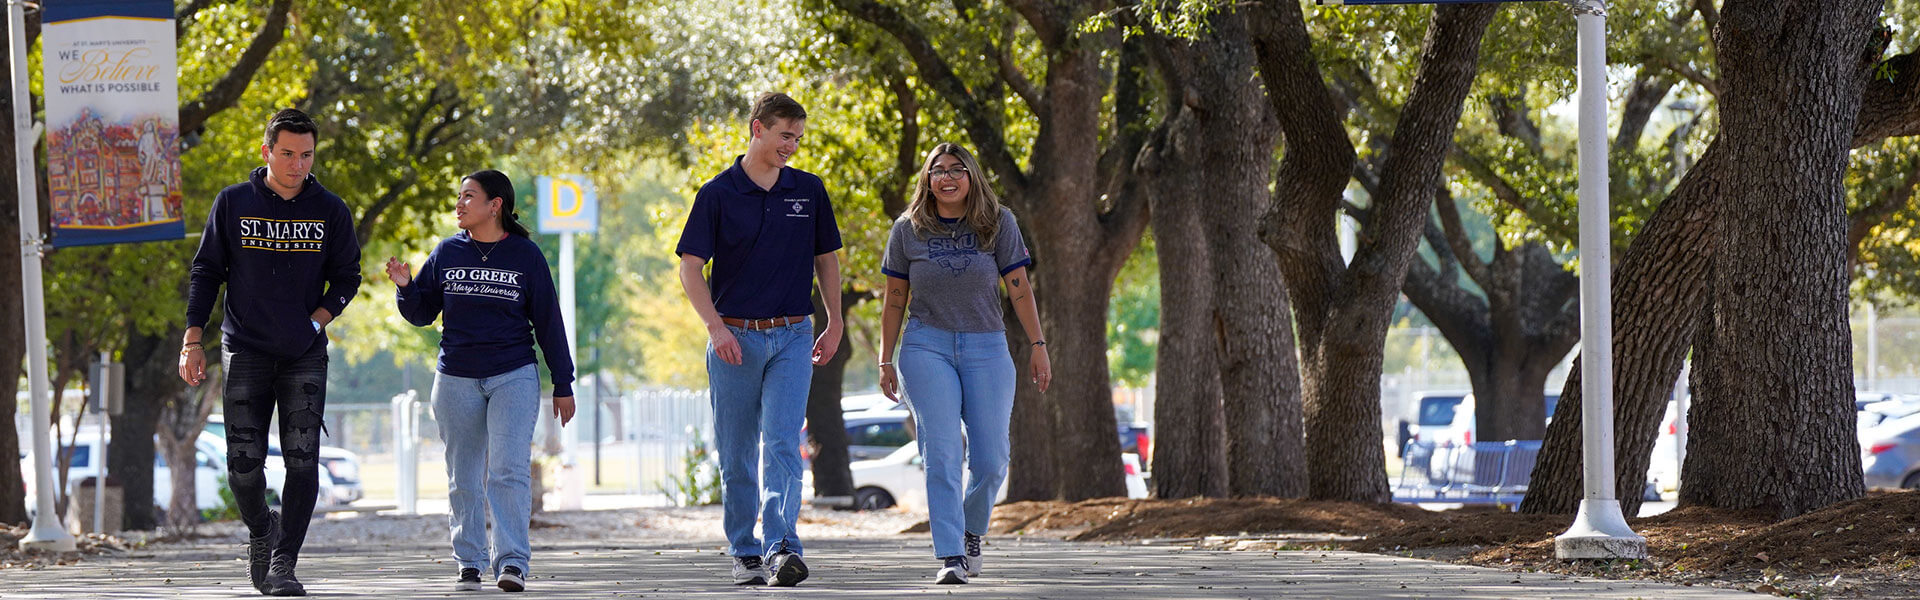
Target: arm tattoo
(1016, 282)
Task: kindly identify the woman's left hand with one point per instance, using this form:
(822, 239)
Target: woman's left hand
(563, 408)
(1041, 366)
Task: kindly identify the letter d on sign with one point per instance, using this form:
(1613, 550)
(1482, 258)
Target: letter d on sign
(565, 196)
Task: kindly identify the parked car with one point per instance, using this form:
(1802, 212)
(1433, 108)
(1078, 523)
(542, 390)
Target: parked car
(1871, 409)
(211, 466)
(1425, 411)
(900, 479)
(874, 434)
(342, 467)
(1890, 453)
(1464, 428)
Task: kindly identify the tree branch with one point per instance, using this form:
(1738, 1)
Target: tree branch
(1643, 97)
(989, 144)
(1504, 192)
(1048, 19)
(1861, 222)
(185, 14)
(1687, 72)
(1456, 236)
(906, 162)
(226, 92)
(1016, 78)
(1127, 209)
(1510, 113)
(1313, 174)
(1890, 107)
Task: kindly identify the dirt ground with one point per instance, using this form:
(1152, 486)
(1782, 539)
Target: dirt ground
(1865, 548)
(91, 544)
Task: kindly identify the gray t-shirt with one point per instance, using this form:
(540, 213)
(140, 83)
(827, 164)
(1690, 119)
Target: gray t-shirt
(955, 281)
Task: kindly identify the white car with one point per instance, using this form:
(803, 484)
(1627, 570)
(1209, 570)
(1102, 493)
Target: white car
(340, 483)
(900, 479)
(210, 455)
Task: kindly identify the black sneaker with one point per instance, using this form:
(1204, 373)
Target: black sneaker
(748, 570)
(973, 555)
(955, 570)
(469, 580)
(280, 579)
(260, 552)
(511, 579)
(788, 569)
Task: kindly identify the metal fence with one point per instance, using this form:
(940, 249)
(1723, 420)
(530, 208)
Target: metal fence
(1478, 473)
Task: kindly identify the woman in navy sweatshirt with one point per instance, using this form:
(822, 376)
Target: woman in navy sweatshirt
(492, 285)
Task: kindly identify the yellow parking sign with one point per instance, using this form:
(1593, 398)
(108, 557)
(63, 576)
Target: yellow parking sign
(567, 204)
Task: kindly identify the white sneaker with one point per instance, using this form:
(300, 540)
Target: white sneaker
(954, 572)
(973, 555)
(747, 570)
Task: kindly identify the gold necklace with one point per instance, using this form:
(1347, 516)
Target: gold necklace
(489, 250)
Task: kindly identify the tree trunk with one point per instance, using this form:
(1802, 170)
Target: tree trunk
(179, 429)
(1659, 287)
(1072, 218)
(1226, 352)
(13, 332)
(1189, 421)
(153, 383)
(1777, 429)
(1030, 468)
(832, 477)
(1343, 311)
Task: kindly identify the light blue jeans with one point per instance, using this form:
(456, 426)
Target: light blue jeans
(758, 408)
(487, 424)
(961, 388)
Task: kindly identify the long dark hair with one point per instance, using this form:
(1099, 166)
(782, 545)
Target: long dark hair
(497, 185)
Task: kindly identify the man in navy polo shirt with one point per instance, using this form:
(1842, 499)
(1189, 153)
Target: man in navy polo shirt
(767, 229)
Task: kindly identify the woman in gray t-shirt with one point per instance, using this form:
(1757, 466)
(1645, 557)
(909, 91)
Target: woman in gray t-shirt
(945, 260)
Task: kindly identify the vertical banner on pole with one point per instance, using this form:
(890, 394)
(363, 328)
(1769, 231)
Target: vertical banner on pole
(113, 121)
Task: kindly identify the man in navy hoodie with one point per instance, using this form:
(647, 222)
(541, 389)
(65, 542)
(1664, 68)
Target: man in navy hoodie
(285, 249)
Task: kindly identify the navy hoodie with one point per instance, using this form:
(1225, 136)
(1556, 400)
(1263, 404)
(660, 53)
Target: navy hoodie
(495, 308)
(280, 258)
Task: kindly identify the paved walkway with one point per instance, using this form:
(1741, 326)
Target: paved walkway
(886, 568)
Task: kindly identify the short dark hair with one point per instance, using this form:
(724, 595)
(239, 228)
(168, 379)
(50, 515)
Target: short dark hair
(290, 120)
(773, 106)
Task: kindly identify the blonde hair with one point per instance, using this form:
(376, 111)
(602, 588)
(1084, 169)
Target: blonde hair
(983, 206)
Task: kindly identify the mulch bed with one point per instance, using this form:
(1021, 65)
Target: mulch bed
(1863, 548)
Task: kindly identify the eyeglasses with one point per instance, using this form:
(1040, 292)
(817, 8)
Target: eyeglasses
(953, 173)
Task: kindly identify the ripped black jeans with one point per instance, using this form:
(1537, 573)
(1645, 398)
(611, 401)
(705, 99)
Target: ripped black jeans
(257, 384)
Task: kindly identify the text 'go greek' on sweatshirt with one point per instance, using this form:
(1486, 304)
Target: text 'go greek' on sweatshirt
(494, 300)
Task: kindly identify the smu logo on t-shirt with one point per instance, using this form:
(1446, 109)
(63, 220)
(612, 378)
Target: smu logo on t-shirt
(282, 236)
(953, 253)
(797, 207)
(485, 283)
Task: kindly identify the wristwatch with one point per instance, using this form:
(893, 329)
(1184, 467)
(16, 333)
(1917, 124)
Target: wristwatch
(316, 325)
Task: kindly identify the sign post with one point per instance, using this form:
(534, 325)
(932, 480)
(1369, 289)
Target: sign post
(568, 205)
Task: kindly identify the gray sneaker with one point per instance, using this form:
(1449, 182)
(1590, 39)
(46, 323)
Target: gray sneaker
(748, 570)
(973, 555)
(955, 571)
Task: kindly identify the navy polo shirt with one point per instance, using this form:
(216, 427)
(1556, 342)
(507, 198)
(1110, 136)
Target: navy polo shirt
(761, 243)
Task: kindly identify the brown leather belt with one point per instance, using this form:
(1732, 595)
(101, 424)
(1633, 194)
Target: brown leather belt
(759, 324)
